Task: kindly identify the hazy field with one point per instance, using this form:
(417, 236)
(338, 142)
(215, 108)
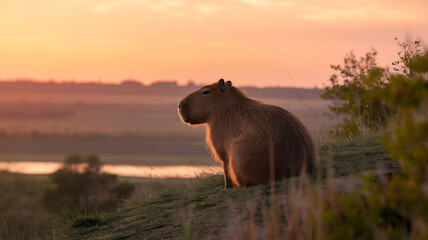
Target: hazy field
(136, 128)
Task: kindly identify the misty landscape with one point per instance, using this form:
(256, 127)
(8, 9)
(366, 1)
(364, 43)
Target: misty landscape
(317, 118)
(125, 124)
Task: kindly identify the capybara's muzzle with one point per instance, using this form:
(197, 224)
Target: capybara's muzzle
(182, 110)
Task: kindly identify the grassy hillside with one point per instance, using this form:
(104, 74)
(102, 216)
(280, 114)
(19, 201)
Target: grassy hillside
(22, 215)
(201, 210)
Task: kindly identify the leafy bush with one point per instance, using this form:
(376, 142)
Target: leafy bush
(396, 209)
(410, 61)
(80, 186)
(354, 91)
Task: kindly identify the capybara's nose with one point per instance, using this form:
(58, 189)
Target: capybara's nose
(181, 104)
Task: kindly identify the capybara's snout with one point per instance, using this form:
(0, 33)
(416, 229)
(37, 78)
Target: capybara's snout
(182, 111)
(180, 106)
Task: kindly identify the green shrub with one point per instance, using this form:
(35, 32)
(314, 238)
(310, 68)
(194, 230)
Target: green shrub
(354, 92)
(81, 187)
(395, 209)
(410, 61)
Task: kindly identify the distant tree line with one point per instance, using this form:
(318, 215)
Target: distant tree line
(134, 87)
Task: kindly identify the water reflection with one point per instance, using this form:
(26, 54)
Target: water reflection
(121, 170)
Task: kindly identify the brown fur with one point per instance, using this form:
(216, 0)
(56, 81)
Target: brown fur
(255, 142)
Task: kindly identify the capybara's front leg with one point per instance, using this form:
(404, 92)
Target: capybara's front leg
(227, 180)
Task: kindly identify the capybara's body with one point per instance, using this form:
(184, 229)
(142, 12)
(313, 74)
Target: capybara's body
(255, 142)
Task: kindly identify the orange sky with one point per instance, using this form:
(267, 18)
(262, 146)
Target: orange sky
(251, 42)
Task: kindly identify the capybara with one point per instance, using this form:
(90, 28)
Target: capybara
(255, 142)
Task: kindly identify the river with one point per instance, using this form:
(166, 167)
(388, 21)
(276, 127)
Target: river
(183, 171)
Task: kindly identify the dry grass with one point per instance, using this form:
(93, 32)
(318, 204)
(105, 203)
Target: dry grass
(292, 208)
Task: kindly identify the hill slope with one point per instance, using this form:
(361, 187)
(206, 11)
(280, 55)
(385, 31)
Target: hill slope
(202, 211)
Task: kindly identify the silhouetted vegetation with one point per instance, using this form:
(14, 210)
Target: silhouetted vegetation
(81, 187)
(411, 61)
(357, 90)
(355, 94)
(395, 208)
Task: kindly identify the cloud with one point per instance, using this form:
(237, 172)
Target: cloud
(106, 6)
(359, 10)
(164, 6)
(338, 10)
(310, 10)
(266, 3)
(27, 38)
(206, 9)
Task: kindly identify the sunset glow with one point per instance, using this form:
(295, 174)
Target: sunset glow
(251, 42)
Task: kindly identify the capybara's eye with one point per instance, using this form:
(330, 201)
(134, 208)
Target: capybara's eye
(205, 92)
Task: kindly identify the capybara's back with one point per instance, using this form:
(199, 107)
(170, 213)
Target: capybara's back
(255, 142)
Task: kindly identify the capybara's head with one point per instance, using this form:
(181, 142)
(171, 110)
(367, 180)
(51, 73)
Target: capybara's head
(201, 105)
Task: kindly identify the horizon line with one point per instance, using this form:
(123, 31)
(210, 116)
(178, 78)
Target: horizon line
(133, 81)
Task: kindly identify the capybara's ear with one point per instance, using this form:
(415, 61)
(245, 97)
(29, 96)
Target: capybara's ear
(226, 87)
(221, 84)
